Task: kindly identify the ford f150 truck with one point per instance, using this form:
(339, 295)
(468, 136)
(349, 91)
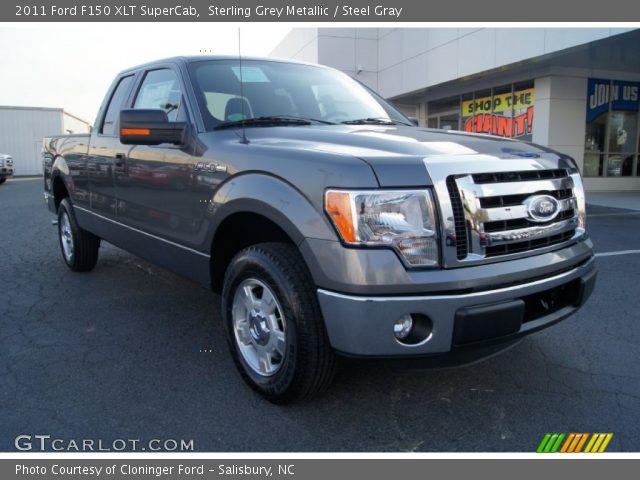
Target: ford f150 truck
(330, 224)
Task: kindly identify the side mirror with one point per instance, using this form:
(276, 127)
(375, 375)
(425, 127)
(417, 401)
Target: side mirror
(414, 121)
(150, 127)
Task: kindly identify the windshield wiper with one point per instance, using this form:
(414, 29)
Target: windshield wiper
(309, 119)
(260, 121)
(370, 121)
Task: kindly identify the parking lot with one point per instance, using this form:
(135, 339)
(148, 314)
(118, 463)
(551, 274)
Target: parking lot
(132, 351)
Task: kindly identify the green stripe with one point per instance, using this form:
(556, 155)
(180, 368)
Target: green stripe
(558, 443)
(543, 443)
(550, 443)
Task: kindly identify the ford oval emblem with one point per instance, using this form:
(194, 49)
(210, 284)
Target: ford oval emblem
(542, 208)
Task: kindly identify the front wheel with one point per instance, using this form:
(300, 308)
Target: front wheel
(2, 180)
(274, 325)
(79, 247)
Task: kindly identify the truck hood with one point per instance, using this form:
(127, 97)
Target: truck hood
(398, 154)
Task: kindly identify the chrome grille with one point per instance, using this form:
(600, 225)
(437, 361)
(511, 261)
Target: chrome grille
(491, 215)
(459, 237)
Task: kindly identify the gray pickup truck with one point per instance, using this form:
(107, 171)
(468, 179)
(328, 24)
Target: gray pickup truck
(329, 223)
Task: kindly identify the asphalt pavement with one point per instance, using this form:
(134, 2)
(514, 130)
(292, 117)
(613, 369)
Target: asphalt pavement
(130, 351)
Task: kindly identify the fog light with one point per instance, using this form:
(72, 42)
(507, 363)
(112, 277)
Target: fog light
(403, 326)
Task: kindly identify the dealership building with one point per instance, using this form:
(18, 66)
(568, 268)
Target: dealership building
(23, 128)
(575, 90)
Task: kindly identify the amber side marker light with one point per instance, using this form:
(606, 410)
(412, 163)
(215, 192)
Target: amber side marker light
(338, 206)
(135, 131)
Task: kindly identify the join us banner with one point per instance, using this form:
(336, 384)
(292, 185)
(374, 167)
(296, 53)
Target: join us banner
(622, 95)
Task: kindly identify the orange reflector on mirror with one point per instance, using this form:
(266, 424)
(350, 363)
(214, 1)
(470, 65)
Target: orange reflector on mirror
(135, 131)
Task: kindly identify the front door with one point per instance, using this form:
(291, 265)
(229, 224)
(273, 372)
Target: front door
(156, 187)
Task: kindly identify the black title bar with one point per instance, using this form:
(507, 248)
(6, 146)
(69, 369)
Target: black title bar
(319, 11)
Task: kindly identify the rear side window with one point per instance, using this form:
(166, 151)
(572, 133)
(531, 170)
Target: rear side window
(115, 105)
(160, 89)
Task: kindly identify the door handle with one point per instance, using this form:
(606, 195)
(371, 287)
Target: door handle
(120, 158)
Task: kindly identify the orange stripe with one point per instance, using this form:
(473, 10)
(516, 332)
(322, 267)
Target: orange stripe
(567, 442)
(582, 442)
(135, 131)
(574, 443)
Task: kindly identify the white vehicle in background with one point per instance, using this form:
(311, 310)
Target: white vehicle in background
(6, 167)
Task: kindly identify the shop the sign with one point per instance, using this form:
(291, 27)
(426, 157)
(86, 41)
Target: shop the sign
(622, 95)
(493, 115)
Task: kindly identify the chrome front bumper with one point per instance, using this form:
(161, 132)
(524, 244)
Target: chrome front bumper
(363, 326)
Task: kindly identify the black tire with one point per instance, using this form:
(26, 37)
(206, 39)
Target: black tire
(83, 254)
(308, 364)
(2, 180)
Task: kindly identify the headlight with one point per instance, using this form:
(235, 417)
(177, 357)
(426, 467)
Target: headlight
(403, 220)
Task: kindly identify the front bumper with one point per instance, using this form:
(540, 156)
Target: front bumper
(6, 171)
(363, 326)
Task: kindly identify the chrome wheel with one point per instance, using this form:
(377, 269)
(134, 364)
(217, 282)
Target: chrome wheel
(66, 237)
(259, 327)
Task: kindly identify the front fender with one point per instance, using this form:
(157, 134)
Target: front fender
(274, 199)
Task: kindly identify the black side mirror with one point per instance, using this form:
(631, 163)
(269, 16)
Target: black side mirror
(150, 127)
(414, 121)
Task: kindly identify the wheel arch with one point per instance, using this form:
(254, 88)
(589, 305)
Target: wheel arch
(257, 208)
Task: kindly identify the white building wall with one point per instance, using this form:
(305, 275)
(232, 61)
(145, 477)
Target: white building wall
(23, 128)
(352, 50)
(299, 44)
(21, 133)
(415, 58)
(73, 124)
(396, 61)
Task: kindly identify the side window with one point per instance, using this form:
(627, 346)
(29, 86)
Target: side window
(115, 105)
(160, 89)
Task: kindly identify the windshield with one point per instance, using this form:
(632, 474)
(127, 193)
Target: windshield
(279, 89)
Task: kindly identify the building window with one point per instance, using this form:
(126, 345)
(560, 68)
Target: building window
(612, 142)
(505, 111)
(445, 114)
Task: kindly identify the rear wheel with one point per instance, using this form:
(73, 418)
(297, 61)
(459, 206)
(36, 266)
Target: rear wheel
(274, 325)
(79, 247)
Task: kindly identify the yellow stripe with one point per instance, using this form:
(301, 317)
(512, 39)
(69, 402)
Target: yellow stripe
(567, 442)
(596, 445)
(582, 440)
(605, 443)
(590, 444)
(574, 443)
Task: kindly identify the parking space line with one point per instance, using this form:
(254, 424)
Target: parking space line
(620, 252)
(616, 214)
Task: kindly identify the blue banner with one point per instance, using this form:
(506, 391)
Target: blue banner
(622, 95)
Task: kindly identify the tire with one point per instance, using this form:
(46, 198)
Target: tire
(280, 347)
(2, 180)
(79, 248)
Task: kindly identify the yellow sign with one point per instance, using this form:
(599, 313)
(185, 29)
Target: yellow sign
(504, 102)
